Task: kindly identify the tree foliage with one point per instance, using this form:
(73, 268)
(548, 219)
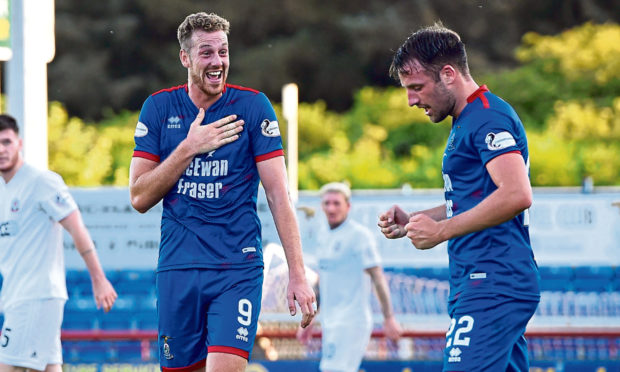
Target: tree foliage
(89, 155)
(571, 114)
(110, 55)
(587, 52)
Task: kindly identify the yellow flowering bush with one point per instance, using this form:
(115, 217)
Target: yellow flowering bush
(88, 155)
(589, 49)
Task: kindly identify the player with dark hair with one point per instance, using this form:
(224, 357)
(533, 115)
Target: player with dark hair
(202, 148)
(35, 206)
(494, 280)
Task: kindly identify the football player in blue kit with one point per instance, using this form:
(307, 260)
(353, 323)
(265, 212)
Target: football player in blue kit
(202, 148)
(494, 280)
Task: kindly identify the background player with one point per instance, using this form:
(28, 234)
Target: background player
(347, 261)
(34, 207)
(494, 281)
(210, 268)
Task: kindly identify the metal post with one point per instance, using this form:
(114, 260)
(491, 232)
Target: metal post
(32, 44)
(290, 104)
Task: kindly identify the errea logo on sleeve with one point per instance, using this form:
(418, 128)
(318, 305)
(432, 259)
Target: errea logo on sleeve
(498, 141)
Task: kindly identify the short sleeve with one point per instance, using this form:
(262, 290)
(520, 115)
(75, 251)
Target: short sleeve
(147, 134)
(495, 137)
(264, 130)
(54, 197)
(370, 252)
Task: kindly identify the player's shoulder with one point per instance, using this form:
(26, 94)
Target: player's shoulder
(359, 229)
(43, 178)
(242, 90)
(161, 101)
(52, 178)
(500, 106)
(492, 105)
(167, 96)
(167, 92)
(494, 111)
(238, 93)
(38, 174)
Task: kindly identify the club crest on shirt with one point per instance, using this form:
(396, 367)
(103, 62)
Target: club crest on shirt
(141, 130)
(166, 348)
(501, 140)
(15, 205)
(450, 146)
(270, 128)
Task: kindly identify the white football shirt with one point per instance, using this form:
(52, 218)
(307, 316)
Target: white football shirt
(31, 239)
(343, 254)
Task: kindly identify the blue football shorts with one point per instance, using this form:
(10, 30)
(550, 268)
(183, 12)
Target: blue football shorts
(487, 334)
(206, 310)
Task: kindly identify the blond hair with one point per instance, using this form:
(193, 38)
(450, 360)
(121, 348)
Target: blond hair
(338, 187)
(200, 21)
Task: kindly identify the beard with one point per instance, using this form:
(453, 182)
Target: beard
(445, 102)
(199, 79)
(9, 165)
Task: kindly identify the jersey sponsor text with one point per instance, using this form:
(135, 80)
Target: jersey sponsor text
(201, 168)
(199, 190)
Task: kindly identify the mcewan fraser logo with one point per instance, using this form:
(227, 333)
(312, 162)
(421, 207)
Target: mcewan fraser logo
(203, 168)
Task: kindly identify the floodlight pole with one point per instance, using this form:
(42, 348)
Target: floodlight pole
(290, 102)
(32, 44)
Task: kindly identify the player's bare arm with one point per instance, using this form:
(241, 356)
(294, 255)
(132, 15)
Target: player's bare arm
(512, 196)
(272, 173)
(390, 325)
(149, 181)
(304, 334)
(103, 292)
(437, 213)
(393, 221)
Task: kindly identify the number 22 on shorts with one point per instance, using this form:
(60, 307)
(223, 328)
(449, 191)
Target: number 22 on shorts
(464, 325)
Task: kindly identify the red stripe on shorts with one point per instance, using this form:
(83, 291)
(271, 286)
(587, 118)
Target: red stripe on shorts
(228, 350)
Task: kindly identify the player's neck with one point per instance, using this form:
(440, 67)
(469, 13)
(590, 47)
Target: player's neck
(336, 225)
(200, 98)
(467, 88)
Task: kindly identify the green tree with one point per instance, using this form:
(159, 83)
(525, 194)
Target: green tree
(89, 155)
(75, 150)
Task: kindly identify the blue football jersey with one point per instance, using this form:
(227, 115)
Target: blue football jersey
(209, 217)
(498, 259)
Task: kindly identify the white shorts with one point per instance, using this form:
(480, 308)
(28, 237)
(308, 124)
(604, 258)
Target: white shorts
(344, 347)
(31, 333)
